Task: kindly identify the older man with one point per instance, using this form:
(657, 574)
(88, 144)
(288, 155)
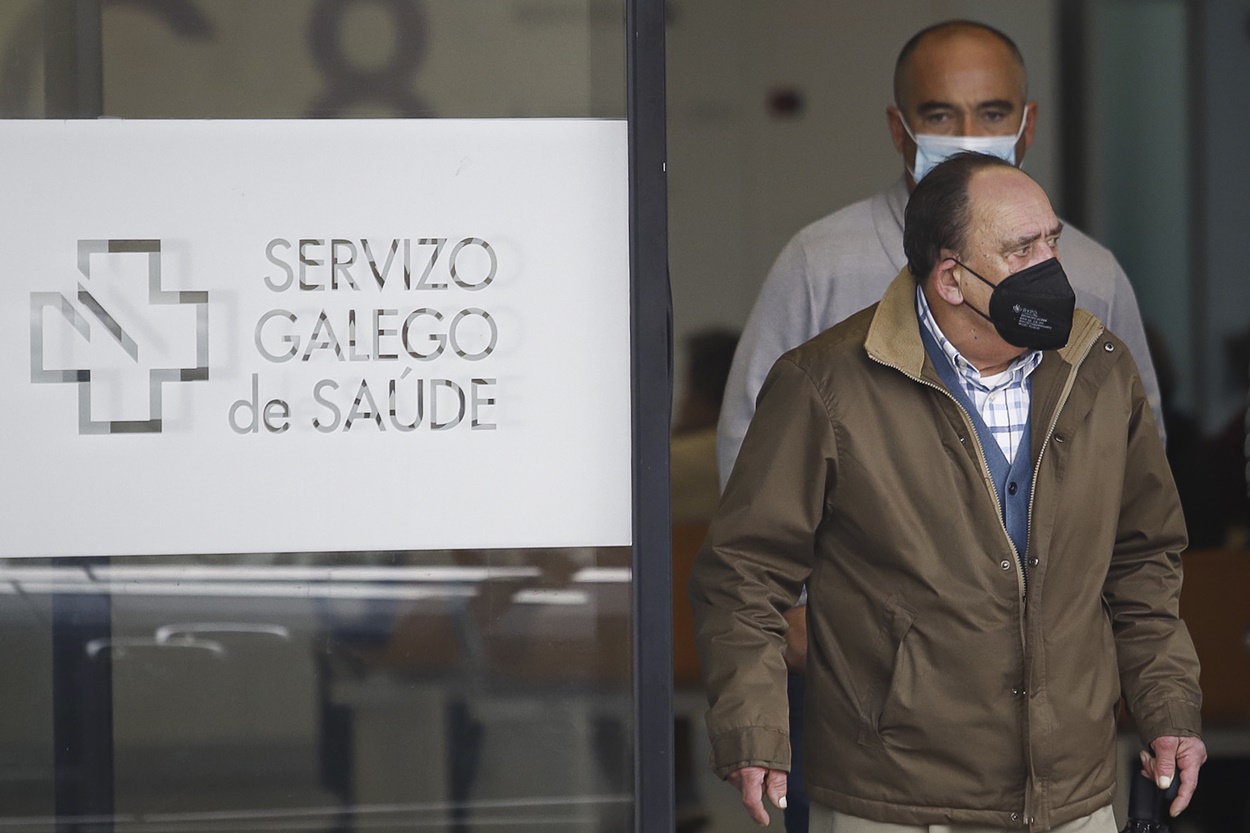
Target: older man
(958, 85)
(968, 479)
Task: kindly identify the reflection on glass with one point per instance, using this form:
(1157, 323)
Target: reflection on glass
(445, 690)
(321, 58)
(422, 690)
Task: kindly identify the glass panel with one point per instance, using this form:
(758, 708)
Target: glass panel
(320, 58)
(441, 690)
(1170, 205)
(311, 691)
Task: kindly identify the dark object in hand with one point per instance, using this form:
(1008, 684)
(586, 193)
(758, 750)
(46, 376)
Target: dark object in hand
(1147, 805)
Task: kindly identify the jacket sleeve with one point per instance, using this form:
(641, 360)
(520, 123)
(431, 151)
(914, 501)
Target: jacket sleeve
(1157, 662)
(781, 319)
(758, 554)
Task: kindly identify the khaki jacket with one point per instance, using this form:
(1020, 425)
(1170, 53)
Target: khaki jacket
(947, 683)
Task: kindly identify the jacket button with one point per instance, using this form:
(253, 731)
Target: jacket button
(1108, 347)
(1006, 565)
(1034, 561)
(1015, 816)
(1059, 438)
(1012, 488)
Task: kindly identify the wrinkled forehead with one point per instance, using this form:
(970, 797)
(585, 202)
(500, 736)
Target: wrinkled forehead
(1007, 205)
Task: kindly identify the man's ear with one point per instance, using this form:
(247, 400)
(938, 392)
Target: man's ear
(945, 279)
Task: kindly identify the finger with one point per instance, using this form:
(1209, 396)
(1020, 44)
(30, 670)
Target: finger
(775, 786)
(754, 806)
(750, 780)
(1191, 755)
(1189, 783)
(1147, 764)
(1165, 760)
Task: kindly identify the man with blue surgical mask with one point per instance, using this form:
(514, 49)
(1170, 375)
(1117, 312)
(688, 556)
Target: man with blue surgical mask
(956, 91)
(958, 85)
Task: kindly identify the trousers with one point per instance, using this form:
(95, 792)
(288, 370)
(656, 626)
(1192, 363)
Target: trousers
(825, 820)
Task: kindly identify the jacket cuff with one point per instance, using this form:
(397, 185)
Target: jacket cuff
(750, 746)
(1170, 718)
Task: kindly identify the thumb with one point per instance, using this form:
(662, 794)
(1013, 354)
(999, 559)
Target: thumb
(1165, 760)
(775, 786)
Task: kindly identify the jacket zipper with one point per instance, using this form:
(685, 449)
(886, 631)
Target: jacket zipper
(1021, 574)
(1037, 468)
(1054, 420)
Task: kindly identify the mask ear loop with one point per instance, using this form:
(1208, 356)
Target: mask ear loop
(1024, 119)
(968, 269)
(911, 169)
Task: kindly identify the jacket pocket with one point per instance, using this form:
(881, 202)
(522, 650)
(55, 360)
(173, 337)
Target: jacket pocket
(891, 637)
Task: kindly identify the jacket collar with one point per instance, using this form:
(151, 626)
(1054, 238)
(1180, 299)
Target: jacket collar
(894, 334)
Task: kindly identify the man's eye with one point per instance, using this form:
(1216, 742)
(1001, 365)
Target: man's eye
(995, 116)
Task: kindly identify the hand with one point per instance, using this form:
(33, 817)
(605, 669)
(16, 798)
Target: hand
(1171, 754)
(756, 781)
(796, 639)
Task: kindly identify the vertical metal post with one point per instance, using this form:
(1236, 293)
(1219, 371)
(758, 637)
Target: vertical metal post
(651, 308)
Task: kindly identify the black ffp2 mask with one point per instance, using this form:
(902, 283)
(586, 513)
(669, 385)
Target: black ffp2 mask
(1032, 308)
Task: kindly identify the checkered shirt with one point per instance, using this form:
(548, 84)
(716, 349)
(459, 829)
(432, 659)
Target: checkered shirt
(1002, 399)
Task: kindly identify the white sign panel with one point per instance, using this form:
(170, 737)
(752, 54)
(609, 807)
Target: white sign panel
(291, 336)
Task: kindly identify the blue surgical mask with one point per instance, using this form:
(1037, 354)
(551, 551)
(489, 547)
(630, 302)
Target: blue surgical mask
(931, 150)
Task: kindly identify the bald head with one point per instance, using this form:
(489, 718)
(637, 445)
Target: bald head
(960, 79)
(939, 211)
(956, 46)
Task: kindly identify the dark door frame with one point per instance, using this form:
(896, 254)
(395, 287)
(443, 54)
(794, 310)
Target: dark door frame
(651, 322)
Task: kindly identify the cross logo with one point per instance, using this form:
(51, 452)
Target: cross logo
(115, 301)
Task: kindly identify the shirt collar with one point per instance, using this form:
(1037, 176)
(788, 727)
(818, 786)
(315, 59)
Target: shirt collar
(1016, 372)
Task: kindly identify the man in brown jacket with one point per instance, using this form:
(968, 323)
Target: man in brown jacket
(968, 479)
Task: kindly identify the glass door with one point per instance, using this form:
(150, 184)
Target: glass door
(337, 463)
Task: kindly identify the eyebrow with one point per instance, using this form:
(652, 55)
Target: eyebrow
(997, 104)
(932, 106)
(1026, 239)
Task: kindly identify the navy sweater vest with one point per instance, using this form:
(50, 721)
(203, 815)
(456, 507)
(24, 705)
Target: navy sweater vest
(1012, 480)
